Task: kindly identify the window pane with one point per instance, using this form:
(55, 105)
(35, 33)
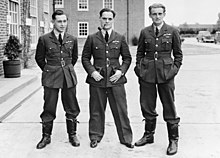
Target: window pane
(33, 8)
(83, 4)
(59, 3)
(108, 4)
(13, 12)
(83, 29)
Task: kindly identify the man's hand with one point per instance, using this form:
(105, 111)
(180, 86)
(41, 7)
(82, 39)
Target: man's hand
(114, 78)
(96, 75)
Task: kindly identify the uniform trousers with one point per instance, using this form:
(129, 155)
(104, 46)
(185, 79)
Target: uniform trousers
(118, 105)
(148, 98)
(69, 101)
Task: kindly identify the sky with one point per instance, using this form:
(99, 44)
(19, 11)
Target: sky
(188, 11)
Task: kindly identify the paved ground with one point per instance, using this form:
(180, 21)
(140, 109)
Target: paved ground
(197, 100)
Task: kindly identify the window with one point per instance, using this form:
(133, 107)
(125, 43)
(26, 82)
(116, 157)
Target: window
(83, 29)
(59, 3)
(46, 23)
(33, 27)
(108, 4)
(33, 31)
(13, 24)
(33, 8)
(83, 5)
(46, 6)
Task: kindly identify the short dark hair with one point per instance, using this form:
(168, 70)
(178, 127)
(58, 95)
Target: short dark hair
(107, 10)
(157, 5)
(58, 12)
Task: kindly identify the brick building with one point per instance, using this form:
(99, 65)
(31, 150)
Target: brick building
(29, 19)
(3, 30)
(84, 16)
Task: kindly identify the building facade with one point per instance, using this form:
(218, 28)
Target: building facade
(29, 19)
(84, 16)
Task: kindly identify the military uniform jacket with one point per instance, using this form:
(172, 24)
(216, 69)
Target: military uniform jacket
(57, 60)
(158, 58)
(106, 58)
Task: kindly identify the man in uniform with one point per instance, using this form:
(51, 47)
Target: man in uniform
(56, 55)
(106, 77)
(158, 60)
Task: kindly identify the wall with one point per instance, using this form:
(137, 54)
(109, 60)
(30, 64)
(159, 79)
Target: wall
(3, 30)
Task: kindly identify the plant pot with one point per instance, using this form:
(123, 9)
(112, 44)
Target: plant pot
(12, 68)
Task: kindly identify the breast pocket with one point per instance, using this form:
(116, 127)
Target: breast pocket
(52, 51)
(167, 44)
(115, 49)
(69, 47)
(98, 50)
(148, 43)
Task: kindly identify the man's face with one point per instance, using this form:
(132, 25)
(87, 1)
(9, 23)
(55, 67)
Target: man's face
(60, 23)
(157, 15)
(106, 20)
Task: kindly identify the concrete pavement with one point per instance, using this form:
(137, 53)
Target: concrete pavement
(197, 101)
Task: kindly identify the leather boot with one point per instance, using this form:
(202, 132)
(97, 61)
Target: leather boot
(173, 135)
(46, 130)
(71, 130)
(148, 137)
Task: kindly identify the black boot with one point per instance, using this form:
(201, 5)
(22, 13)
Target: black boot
(148, 136)
(71, 130)
(46, 130)
(173, 135)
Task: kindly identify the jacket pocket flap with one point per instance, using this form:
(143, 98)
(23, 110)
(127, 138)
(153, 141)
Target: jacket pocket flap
(168, 61)
(114, 46)
(148, 40)
(48, 68)
(166, 40)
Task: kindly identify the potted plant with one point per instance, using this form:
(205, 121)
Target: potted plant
(12, 50)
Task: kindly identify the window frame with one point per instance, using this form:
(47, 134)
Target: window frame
(46, 7)
(87, 29)
(59, 5)
(34, 17)
(104, 4)
(80, 9)
(14, 14)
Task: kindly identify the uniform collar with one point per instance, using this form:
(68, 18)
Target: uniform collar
(104, 32)
(159, 27)
(56, 33)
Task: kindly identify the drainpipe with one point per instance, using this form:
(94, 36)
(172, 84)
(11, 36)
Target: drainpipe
(128, 21)
(53, 6)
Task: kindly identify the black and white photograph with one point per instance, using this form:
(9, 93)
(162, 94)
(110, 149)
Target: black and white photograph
(109, 78)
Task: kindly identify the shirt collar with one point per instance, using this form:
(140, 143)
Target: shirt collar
(57, 33)
(109, 32)
(159, 27)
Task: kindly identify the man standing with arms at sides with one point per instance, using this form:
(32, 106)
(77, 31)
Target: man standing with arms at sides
(56, 55)
(106, 77)
(158, 60)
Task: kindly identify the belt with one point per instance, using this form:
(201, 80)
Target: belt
(156, 55)
(59, 63)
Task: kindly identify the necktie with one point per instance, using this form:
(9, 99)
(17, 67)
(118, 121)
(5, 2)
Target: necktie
(106, 36)
(157, 31)
(60, 39)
